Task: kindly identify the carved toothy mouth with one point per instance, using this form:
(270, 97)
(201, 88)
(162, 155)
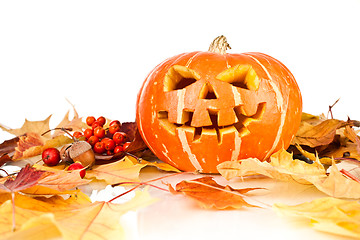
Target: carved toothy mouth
(239, 126)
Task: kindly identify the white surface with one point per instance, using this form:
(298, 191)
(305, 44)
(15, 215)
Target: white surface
(97, 53)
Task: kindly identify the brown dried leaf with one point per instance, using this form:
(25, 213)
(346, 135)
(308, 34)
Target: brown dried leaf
(281, 167)
(351, 134)
(130, 129)
(137, 143)
(38, 127)
(320, 134)
(210, 194)
(8, 146)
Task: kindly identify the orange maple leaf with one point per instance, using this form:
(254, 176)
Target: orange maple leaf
(210, 194)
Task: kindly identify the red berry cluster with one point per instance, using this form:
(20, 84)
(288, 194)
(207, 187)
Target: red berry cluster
(109, 140)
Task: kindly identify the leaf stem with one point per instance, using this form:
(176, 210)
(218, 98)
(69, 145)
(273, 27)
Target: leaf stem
(348, 174)
(13, 210)
(144, 183)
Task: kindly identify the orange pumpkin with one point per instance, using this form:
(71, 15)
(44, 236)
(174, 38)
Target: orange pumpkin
(198, 109)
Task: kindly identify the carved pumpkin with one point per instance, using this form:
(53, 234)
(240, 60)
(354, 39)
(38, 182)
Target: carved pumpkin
(196, 110)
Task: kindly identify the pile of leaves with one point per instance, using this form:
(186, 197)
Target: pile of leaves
(46, 202)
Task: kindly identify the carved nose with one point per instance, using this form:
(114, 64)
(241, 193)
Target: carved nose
(207, 92)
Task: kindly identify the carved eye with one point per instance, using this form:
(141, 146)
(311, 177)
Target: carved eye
(242, 76)
(179, 77)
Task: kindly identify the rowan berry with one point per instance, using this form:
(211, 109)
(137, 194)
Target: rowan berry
(101, 120)
(109, 145)
(95, 124)
(90, 120)
(118, 149)
(92, 140)
(99, 147)
(114, 128)
(99, 132)
(117, 122)
(119, 137)
(88, 133)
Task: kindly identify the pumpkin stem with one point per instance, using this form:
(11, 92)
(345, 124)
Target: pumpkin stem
(219, 45)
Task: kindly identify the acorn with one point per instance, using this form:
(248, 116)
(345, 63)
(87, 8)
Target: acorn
(81, 151)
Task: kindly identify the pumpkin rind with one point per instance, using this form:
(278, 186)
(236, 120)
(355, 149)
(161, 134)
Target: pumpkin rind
(207, 119)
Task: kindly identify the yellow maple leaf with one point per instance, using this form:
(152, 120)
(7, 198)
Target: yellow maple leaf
(332, 215)
(117, 172)
(98, 220)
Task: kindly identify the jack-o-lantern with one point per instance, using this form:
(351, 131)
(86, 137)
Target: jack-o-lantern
(196, 110)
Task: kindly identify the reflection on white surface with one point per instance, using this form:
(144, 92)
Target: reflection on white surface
(178, 217)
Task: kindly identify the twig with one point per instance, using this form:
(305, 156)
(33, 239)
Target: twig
(5, 172)
(330, 108)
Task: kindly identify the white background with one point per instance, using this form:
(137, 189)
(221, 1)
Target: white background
(96, 54)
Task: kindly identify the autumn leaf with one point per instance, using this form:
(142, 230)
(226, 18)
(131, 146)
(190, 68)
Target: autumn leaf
(120, 171)
(351, 134)
(331, 215)
(130, 128)
(57, 182)
(336, 184)
(37, 127)
(320, 134)
(49, 203)
(26, 178)
(210, 194)
(26, 142)
(281, 167)
(98, 220)
(8, 147)
(75, 123)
